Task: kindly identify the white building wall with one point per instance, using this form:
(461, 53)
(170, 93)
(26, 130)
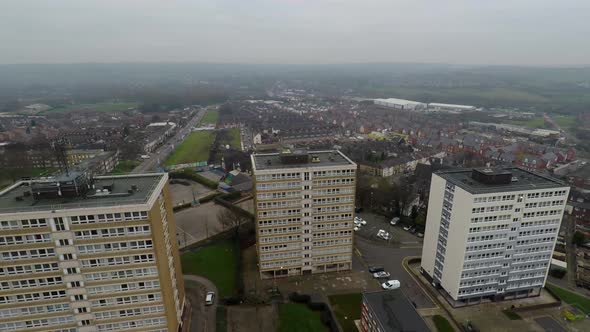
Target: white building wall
(437, 189)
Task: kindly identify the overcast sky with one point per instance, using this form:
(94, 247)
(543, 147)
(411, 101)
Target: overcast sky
(521, 32)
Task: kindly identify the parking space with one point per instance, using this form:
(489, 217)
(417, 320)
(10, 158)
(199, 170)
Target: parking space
(398, 238)
(391, 259)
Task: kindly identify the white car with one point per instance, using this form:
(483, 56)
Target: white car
(381, 274)
(356, 228)
(391, 284)
(394, 221)
(209, 298)
(383, 234)
(407, 228)
(363, 222)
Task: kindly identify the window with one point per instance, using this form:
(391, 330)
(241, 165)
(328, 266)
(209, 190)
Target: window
(85, 322)
(72, 270)
(59, 224)
(305, 187)
(64, 242)
(82, 310)
(79, 297)
(68, 257)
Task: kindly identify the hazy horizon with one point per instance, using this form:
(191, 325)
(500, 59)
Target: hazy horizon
(530, 33)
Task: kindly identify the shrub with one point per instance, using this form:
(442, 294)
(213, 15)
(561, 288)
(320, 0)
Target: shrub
(511, 314)
(232, 300)
(557, 273)
(317, 306)
(299, 298)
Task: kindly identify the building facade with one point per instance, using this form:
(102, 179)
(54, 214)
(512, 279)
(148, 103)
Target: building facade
(95, 254)
(490, 233)
(304, 212)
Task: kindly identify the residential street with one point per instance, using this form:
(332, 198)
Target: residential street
(203, 317)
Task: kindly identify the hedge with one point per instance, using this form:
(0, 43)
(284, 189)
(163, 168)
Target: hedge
(325, 315)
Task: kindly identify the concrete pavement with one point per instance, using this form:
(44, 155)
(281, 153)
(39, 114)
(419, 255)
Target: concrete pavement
(203, 317)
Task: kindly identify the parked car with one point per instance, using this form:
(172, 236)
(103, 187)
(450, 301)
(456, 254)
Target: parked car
(363, 222)
(413, 230)
(209, 298)
(356, 228)
(383, 234)
(420, 235)
(391, 284)
(381, 274)
(407, 228)
(376, 268)
(394, 221)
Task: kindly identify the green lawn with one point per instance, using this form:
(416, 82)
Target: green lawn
(98, 107)
(582, 302)
(125, 167)
(347, 308)
(194, 148)
(295, 317)
(232, 137)
(533, 123)
(511, 314)
(442, 324)
(565, 121)
(216, 262)
(210, 117)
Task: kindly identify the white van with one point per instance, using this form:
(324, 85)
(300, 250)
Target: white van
(209, 298)
(391, 284)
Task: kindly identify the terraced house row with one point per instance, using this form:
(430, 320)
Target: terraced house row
(304, 212)
(90, 254)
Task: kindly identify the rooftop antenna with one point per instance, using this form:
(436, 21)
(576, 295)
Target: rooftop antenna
(60, 154)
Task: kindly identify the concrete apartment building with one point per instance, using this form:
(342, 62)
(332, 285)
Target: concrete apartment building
(304, 212)
(490, 233)
(90, 254)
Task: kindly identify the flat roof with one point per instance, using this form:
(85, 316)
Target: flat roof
(395, 312)
(268, 161)
(450, 105)
(521, 180)
(399, 101)
(120, 195)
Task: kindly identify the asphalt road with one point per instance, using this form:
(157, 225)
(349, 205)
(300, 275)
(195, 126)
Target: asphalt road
(161, 153)
(374, 253)
(549, 324)
(202, 316)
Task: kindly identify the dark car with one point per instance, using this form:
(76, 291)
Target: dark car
(358, 210)
(413, 230)
(375, 269)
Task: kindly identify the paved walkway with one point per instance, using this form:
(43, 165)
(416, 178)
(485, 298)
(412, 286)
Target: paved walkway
(203, 318)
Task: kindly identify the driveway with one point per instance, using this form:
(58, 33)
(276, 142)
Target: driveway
(203, 316)
(391, 259)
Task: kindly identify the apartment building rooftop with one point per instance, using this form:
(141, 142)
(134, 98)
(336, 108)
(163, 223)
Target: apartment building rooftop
(489, 180)
(299, 159)
(395, 312)
(101, 191)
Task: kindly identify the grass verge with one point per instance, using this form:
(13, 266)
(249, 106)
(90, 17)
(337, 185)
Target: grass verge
(294, 317)
(511, 314)
(216, 262)
(347, 308)
(581, 302)
(125, 167)
(193, 149)
(442, 324)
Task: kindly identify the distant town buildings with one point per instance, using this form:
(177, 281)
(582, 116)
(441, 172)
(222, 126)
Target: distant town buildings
(490, 233)
(304, 212)
(401, 104)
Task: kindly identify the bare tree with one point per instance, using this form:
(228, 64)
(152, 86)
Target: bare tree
(231, 219)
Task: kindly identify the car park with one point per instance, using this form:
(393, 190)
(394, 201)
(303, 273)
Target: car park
(391, 284)
(376, 268)
(363, 222)
(381, 274)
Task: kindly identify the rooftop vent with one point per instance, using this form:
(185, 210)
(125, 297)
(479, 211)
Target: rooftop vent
(315, 159)
(514, 179)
